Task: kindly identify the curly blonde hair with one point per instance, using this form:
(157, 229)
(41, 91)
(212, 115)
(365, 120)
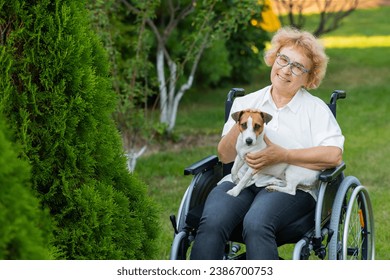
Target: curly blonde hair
(310, 45)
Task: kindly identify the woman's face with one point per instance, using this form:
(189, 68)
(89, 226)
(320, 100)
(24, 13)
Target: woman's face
(290, 78)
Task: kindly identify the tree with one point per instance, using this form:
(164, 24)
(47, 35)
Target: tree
(57, 94)
(209, 20)
(331, 12)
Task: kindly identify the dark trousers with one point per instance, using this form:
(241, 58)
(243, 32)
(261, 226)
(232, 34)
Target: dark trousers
(263, 214)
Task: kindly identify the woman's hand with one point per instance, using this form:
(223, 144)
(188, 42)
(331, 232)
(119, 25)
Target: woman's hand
(271, 155)
(316, 158)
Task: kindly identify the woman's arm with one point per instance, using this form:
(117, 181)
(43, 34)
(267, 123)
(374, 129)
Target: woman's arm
(316, 158)
(227, 145)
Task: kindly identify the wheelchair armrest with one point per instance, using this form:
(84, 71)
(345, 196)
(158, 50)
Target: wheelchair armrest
(329, 175)
(201, 165)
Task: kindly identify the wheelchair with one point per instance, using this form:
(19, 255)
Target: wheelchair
(340, 227)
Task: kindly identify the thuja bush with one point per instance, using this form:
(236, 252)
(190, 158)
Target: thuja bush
(57, 94)
(25, 228)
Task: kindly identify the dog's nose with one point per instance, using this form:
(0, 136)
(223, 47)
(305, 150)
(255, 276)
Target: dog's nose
(249, 141)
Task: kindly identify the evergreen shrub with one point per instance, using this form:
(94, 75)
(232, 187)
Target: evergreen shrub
(57, 93)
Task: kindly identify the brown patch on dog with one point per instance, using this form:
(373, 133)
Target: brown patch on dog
(265, 116)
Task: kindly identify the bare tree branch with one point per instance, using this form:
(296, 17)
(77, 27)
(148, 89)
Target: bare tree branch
(331, 13)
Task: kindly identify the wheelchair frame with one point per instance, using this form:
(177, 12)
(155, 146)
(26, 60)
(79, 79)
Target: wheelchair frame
(343, 220)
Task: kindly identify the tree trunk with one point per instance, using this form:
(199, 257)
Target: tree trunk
(162, 85)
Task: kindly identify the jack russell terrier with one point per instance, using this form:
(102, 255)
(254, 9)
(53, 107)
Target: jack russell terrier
(280, 177)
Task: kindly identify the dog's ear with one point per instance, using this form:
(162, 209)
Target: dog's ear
(237, 115)
(266, 117)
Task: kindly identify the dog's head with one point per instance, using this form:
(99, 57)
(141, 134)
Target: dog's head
(251, 124)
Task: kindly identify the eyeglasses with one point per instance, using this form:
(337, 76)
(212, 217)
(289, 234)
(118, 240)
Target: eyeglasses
(296, 68)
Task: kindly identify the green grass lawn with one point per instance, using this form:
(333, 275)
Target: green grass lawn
(364, 117)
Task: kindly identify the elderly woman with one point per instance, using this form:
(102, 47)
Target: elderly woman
(298, 63)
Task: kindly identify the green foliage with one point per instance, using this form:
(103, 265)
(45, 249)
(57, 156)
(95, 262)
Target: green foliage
(246, 52)
(236, 58)
(215, 65)
(235, 47)
(25, 228)
(58, 95)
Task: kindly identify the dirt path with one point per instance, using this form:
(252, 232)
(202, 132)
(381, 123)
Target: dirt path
(313, 6)
(366, 4)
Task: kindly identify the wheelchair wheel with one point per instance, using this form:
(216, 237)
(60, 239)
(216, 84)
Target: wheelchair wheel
(352, 223)
(180, 246)
(190, 210)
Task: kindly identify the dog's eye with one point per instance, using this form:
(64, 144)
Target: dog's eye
(257, 127)
(243, 125)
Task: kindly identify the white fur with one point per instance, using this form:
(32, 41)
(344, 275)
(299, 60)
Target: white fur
(280, 177)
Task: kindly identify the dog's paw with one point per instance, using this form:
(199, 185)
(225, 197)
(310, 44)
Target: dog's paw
(271, 188)
(233, 192)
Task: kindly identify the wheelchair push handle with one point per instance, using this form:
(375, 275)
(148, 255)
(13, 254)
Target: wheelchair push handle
(337, 94)
(233, 93)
